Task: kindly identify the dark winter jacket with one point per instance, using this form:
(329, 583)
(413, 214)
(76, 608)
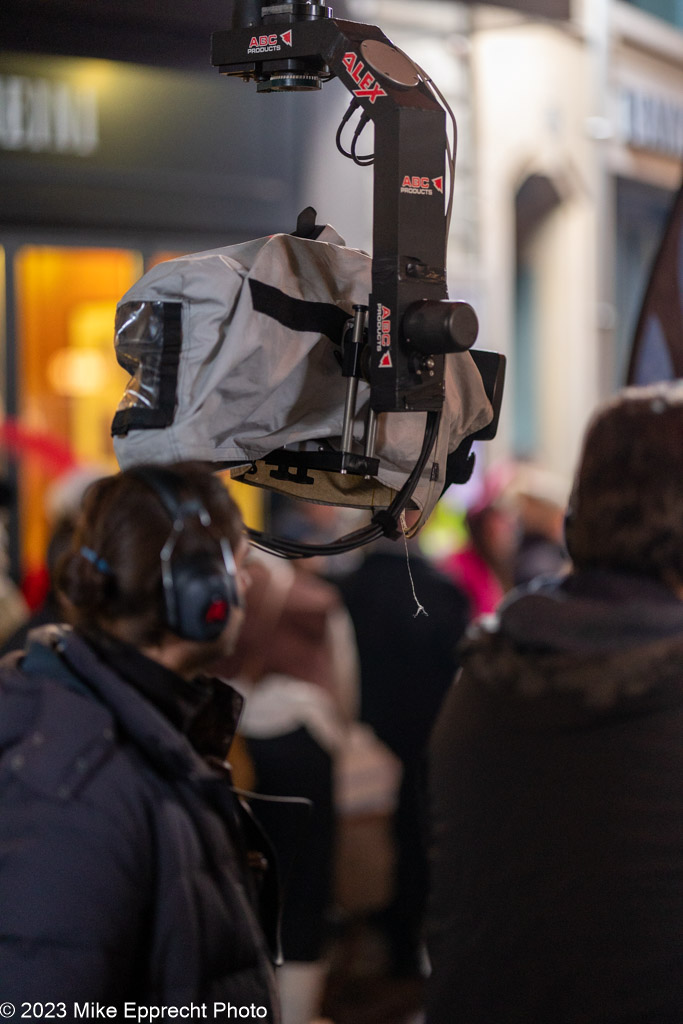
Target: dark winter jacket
(122, 856)
(407, 659)
(557, 812)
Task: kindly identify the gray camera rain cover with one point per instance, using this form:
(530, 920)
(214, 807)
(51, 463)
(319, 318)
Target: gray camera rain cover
(231, 354)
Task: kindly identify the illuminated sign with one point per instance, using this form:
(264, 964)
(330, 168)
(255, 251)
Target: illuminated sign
(40, 115)
(651, 122)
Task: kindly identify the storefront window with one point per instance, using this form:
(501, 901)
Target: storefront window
(69, 382)
(641, 214)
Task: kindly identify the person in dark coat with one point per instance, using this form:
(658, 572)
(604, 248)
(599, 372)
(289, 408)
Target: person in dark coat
(557, 762)
(408, 659)
(49, 609)
(300, 690)
(123, 851)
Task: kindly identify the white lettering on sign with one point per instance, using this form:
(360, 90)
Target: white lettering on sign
(38, 115)
(652, 122)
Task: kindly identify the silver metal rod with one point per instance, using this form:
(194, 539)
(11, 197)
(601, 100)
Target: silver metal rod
(352, 381)
(349, 413)
(370, 433)
(358, 324)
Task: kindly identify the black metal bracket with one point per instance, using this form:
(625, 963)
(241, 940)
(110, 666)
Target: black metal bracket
(297, 45)
(293, 465)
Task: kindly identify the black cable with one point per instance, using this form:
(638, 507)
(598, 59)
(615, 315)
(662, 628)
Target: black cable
(383, 523)
(399, 503)
(451, 147)
(353, 105)
(364, 159)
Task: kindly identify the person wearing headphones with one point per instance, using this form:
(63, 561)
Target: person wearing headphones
(130, 873)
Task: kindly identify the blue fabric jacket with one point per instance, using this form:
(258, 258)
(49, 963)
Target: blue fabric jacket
(122, 858)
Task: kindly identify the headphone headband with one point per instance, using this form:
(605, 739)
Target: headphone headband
(165, 484)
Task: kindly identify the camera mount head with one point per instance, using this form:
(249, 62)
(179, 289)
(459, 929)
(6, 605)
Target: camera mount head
(301, 74)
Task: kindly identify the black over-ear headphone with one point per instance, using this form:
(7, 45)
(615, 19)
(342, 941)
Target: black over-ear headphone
(199, 589)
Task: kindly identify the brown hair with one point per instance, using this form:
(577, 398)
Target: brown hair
(626, 509)
(111, 571)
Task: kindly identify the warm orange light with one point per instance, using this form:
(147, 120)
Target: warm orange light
(69, 380)
(77, 373)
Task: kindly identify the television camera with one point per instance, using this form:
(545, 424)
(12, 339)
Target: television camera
(398, 337)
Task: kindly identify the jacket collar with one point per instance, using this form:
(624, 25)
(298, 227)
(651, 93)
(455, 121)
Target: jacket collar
(62, 654)
(599, 635)
(591, 612)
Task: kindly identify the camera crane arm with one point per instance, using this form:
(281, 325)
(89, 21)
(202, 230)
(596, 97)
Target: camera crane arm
(297, 46)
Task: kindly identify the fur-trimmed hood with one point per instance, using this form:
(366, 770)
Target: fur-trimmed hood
(599, 634)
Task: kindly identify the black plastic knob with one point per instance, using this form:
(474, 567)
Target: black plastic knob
(437, 326)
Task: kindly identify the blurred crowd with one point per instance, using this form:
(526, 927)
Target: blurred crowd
(227, 761)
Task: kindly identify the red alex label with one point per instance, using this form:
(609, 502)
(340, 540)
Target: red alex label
(368, 86)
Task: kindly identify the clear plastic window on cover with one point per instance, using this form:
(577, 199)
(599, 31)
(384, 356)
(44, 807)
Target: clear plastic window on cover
(147, 341)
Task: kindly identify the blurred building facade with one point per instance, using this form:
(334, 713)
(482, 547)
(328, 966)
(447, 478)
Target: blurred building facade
(120, 145)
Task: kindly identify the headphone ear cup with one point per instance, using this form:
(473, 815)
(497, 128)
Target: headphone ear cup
(201, 597)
